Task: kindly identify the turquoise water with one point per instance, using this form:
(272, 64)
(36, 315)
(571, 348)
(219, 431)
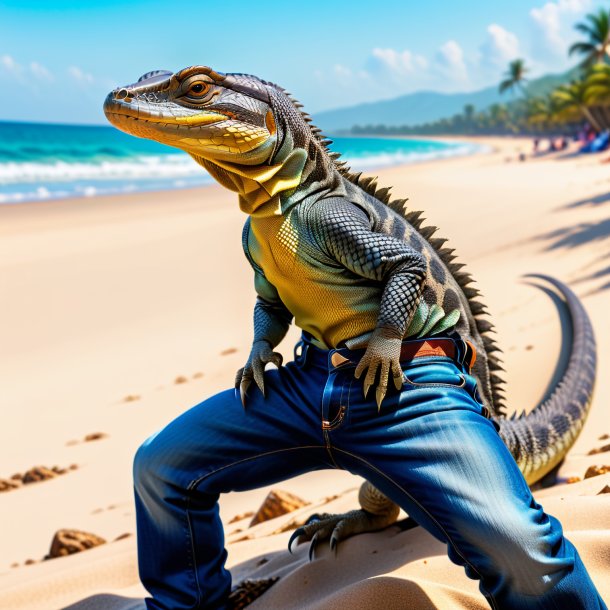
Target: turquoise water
(41, 161)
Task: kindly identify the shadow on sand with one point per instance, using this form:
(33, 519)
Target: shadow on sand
(576, 235)
(581, 234)
(596, 275)
(572, 154)
(588, 201)
(567, 335)
(386, 551)
(106, 601)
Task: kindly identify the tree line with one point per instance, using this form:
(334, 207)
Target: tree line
(563, 110)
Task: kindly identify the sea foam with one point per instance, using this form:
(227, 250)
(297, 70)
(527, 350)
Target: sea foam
(41, 162)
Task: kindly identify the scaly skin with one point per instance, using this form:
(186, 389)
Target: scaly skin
(317, 233)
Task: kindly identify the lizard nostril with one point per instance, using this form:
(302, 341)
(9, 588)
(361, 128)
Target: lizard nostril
(122, 94)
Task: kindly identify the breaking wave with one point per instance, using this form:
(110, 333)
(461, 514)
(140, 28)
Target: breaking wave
(40, 162)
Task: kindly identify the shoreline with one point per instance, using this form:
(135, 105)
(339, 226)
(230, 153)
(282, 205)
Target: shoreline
(201, 174)
(155, 198)
(121, 312)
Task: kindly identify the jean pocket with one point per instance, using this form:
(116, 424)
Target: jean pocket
(434, 375)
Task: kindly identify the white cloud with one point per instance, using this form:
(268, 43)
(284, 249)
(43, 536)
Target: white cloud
(26, 75)
(450, 57)
(396, 63)
(551, 21)
(10, 65)
(342, 70)
(500, 46)
(40, 71)
(463, 63)
(342, 74)
(79, 75)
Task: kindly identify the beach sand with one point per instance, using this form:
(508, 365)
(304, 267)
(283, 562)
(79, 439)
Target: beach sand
(119, 313)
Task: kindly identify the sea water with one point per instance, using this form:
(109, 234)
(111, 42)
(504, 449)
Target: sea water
(46, 161)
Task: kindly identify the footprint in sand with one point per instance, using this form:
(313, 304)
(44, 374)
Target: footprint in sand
(123, 536)
(602, 449)
(95, 436)
(33, 475)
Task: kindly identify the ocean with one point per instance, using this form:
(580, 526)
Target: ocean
(45, 161)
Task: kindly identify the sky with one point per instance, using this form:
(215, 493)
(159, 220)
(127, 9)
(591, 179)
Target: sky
(59, 58)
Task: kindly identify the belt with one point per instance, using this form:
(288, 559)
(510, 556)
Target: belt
(421, 348)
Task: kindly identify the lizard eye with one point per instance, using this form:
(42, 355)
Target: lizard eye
(198, 89)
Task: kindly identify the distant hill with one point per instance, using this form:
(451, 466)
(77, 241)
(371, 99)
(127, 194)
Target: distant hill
(425, 106)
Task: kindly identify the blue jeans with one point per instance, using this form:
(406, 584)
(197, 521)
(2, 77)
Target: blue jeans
(431, 449)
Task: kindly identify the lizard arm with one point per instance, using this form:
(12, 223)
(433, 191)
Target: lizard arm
(271, 317)
(271, 322)
(344, 233)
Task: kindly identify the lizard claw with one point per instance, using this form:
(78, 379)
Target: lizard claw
(312, 546)
(366, 387)
(333, 543)
(295, 535)
(243, 386)
(398, 381)
(380, 395)
(336, 528)
(258, 370)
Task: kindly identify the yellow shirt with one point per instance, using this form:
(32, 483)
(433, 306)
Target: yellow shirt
(327, 300)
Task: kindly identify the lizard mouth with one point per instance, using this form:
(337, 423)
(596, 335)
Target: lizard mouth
(119, 109)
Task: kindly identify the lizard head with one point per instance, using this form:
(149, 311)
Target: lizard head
(249, 134)
(209, 115)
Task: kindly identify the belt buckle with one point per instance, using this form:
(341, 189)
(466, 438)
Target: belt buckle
(337, 360)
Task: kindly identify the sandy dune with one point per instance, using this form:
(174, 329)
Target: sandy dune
(120, 313)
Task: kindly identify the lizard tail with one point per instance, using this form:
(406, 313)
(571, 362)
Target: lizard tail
(540, 440)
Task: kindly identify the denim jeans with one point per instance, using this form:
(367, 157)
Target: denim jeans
(431, 449)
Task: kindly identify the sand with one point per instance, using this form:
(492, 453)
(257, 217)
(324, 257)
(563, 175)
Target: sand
(119, 313)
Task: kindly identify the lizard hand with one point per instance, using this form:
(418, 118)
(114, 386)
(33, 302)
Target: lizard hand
(383, 353)
(261, 353)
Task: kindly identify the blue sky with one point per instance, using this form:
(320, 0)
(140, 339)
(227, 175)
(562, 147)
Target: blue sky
(59, 58)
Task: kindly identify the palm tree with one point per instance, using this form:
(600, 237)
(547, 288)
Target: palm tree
(514, 77)
(468, 116)
(597, 93)
(572, 103)
(498, 117)
(598, 85)
(597, 29)
(542, 111)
